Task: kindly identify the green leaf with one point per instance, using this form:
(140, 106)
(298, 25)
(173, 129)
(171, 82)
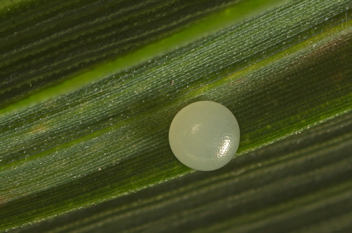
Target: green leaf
(89, 89)
(288, 186)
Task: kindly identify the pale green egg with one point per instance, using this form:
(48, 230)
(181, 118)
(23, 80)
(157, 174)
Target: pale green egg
(204, 135)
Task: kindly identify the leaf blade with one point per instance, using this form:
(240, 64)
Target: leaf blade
(134, 161)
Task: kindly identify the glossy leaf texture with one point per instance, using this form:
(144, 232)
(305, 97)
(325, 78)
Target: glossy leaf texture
(89, 89)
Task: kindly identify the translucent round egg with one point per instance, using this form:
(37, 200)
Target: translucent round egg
(204, 135)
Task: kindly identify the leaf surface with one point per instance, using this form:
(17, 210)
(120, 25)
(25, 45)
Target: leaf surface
(85, 119)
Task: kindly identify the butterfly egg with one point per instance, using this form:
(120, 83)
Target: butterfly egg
(204, 135)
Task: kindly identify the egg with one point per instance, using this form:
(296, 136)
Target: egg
(204, 135)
